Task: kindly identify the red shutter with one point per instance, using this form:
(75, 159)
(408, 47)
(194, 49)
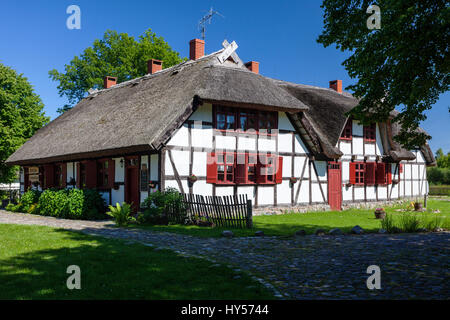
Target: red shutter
(279, 170)
(91, 174)
(352, 173)
(49, 176)
(211, 168)
(64, 174)
(381, 173)
(369, 174)
(388, 173)
(241, 168)
(78, 175)
(261, 173)
(112, 173)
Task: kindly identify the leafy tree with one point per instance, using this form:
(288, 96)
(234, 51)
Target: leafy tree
(118, 55)
(404, 63)
(21, 114)
(443, 161)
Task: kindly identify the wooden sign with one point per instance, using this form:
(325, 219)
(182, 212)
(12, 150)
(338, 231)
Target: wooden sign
(229, 50)
(33, 170)
(34, 178)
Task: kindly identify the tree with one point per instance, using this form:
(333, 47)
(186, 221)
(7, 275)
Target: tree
(21, 114)
(403, 64)
(442, 160)
(118, 55)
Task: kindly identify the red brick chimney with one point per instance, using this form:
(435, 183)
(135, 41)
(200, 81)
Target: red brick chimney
(196, 49)
(253, 66)
(336, 85)
(154, 65)
(108, 82)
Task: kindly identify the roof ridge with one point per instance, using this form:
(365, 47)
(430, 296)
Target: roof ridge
(152, 75)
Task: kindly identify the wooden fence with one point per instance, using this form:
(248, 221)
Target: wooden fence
(225, 211)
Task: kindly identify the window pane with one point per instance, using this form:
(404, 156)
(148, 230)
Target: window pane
(221, 169)
(230, 121)
(220, 158)
(243, 122)
(221, 125)
(230, 158)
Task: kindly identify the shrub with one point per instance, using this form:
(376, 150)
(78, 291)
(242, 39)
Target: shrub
(26, 201)
(120, 214)
(431, 223)
(158, 203)
(54, 203)
(436, 175)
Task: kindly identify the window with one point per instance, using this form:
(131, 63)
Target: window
(347, 132)
(225, 119)
(225, 168)
(248, 120)
(370, 133)
(243, 168)
(357, 173)
(244, 119)
(103, 174)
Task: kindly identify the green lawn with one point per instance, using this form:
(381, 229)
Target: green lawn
(287, 224)
(34, 260)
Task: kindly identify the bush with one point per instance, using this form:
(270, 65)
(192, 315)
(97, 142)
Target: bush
(26, 201)
(72, 204)
(157, 204)
(120, 214)
(68, 203)
(409, 222)
(438, 176)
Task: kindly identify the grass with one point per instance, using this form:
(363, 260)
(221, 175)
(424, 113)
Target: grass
(286, 224)
(34, 260)
(437, 190)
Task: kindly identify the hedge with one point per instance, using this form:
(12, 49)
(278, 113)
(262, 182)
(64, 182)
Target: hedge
(68, 203)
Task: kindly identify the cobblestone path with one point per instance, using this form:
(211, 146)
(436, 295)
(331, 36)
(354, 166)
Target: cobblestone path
(413, 266)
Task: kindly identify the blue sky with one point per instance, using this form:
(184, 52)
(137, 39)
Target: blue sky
(280, 35)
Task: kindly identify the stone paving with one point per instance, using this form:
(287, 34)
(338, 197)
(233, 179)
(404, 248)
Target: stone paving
(413, 266)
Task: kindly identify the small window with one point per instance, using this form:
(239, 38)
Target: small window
(347, 132)
(225, 168)
(370, 133)
(102, 174)
(359, 173)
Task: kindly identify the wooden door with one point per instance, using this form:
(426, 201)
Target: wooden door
(335, 185)
(132, 195)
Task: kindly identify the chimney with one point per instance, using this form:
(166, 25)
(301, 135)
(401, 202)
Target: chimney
(154, 65)
(336, 85)
(196, 49)
(108, 82)
(253, 66)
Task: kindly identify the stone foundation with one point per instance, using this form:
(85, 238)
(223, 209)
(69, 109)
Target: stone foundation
(259, 211)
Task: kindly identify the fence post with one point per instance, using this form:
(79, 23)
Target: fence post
(249, 214)
(425, 198)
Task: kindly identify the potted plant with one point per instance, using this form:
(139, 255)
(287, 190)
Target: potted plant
(293, 180)
(380, 213)
(418, 206)
(191, 179)
(152, 184)
(395, 181)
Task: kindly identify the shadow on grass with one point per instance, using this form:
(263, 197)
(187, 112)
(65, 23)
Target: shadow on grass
(34, 267)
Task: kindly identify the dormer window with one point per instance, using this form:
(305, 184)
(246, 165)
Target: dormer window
(347, 132)
(245, 120)
(370, 133)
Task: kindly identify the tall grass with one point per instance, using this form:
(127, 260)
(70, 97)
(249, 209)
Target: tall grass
(411, 222)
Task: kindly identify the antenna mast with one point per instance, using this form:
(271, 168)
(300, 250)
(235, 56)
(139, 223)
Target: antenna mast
(207, 19)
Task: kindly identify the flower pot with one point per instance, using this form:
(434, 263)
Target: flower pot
(380, 214)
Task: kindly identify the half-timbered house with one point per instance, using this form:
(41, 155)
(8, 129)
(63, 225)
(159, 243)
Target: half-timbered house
(214, 126)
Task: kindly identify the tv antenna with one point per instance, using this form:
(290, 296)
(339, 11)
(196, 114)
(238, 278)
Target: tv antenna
(207, 19)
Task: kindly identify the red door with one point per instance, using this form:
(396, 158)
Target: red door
(132, 195)
(334, 185)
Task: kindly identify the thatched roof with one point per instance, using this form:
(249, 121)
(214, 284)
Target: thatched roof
(326, 117)
(139, 115)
